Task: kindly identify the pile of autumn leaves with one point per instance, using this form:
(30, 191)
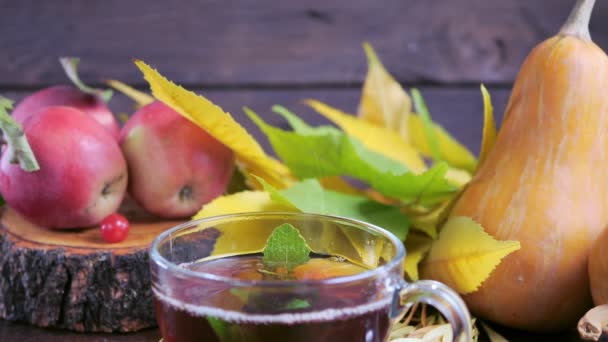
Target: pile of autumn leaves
(413, 168)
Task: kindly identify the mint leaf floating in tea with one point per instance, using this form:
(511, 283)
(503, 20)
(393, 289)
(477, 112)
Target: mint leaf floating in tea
(285, 249)
(298, 304)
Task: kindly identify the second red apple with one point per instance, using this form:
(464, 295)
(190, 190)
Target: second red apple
(175, 166)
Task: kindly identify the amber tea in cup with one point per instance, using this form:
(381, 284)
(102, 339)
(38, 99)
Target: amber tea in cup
(210, 283)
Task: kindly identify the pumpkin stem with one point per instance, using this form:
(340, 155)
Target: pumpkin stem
(577, 23)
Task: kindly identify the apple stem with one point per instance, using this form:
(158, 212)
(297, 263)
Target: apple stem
(19, 149)
(140, 98)
(70, 66)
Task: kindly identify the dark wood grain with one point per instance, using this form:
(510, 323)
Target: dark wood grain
(260, 53)
(459, 110)
(13, 332)
(235, 43)
(73, 279)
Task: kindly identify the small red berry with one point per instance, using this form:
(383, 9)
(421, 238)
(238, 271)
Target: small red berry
(114, 228)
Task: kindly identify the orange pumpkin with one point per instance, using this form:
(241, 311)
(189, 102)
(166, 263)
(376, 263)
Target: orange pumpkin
(544, 183)
(598, 269)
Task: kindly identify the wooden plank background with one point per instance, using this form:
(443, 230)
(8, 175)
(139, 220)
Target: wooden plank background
(264, 52)
(228, 43)
(459, 109)
(258, 53)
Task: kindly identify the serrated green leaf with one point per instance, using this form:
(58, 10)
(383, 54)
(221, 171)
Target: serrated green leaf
(70, 66)
(285, 248)
(377, 138)
(228, 331)
(18, 148)
(248, 238)
(427, 124)
(298, 125)
(310, 197)
(6, 103)
(218, 326)
(455, 154)
(315, 152)
(385, 104)
(297, 303)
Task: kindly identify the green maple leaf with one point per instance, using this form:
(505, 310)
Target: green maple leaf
(310, 197)
(316, 152)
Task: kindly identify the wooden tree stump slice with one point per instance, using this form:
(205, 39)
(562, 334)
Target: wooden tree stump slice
(72, 279)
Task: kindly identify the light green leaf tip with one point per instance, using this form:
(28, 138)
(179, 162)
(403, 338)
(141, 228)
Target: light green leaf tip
(285, 248)
(19, 150)
(427, 123)
(70, 66)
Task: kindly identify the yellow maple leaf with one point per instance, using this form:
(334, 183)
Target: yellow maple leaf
(210, 117)
(376, 138)
(383, 100)
(458, 177)
(383, 140)
(338, 184)
(140, 98)
(465, 255)
(416, 248)
(489, 126)
(385, 103)
(453, 152)
(427, 221)
(248, 238)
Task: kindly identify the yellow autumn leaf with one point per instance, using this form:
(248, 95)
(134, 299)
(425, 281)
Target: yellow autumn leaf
(453, 152)
(240, 202)
(210, 117)
(249, 237)
(338, 184)
(385, 103)
(383, 100)
(376, 138)
(457, 177)
(489, 126)
(273, 171)
(428, 222)
(464, 255)
(416, 247)
(140, 98)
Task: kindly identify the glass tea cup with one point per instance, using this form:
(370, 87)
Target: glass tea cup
(207, 286)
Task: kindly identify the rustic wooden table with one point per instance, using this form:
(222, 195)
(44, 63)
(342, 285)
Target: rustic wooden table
(13, 332)
(267, 52)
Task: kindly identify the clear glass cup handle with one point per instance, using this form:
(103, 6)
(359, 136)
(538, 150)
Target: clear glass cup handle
(441, 297)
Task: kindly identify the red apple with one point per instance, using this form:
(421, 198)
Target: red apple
(175, 166)
(64, 95)
(90, 100)
(82, 176)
